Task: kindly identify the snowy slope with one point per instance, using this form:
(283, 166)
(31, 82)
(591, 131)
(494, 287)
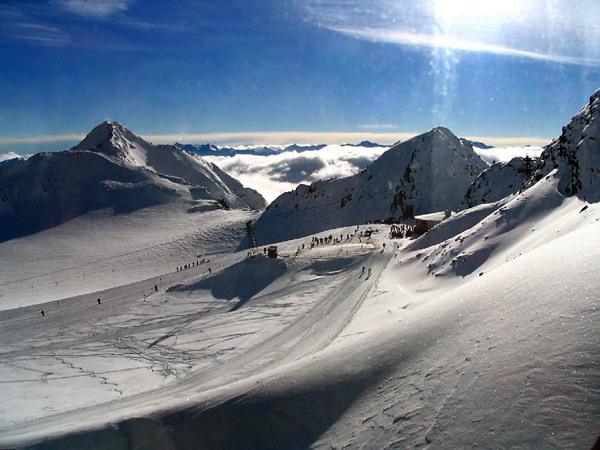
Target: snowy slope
(310, 352)
(111, 168)
(501, 180)
(430, 172)
(100, 250)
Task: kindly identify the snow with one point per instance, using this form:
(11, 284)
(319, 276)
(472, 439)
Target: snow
(432, 217)
(482, 333)
(501, 180)
(401, 358)
(101, 250)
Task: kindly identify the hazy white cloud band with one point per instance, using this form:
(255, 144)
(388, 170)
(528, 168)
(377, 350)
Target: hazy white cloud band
(272, 137)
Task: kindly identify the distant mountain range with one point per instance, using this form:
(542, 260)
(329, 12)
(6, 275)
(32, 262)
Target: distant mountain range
(260, 150)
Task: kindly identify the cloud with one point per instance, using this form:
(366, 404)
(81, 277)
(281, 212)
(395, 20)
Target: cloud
(511, 141)
(504, 154)
(377, 126)
(38, 33)
(274, 174)
(95, 8)
(41, 139)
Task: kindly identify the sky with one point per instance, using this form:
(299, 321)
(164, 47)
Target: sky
(508, 72)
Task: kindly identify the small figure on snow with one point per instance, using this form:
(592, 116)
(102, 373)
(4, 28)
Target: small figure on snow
(99, 302)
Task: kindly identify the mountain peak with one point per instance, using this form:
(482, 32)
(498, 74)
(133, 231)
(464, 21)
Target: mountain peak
(442, 130)
(111, 139)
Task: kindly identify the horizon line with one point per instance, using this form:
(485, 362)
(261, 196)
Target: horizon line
(274, 138)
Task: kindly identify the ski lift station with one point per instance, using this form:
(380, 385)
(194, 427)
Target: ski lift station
(272, 251)
(425, 222)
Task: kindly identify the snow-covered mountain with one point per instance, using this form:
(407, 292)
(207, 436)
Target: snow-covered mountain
(501, 180)
(576, 153)
(429, 172)
(111, 168)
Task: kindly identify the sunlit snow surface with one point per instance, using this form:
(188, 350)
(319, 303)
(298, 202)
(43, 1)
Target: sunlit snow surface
(484, 333)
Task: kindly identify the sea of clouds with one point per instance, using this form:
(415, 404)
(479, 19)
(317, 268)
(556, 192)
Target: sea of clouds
(274, 174)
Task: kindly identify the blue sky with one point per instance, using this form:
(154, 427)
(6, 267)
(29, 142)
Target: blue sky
(275, 70)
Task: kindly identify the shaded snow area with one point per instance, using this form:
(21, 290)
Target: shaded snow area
(483, 333)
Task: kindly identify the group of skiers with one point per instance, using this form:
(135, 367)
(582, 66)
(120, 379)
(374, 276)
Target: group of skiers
(192, 264)
(321, 240)
(401, 231)
(316, 241)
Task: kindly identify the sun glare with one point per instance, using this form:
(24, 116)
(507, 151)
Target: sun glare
(452, 10)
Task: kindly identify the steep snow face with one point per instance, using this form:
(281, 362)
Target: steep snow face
(430, 172)
(576, 153)
(116, 141)
(501, 180)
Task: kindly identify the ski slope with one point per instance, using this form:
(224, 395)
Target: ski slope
(100, 250)
(306, 350)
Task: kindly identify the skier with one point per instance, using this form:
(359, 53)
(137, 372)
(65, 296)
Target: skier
(363, 271)
(155, 288)
(43, 314)
(209, 271)
(99, 302)
(369, 273)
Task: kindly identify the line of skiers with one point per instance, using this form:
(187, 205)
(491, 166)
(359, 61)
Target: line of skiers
(330, 239)
(192, 264)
